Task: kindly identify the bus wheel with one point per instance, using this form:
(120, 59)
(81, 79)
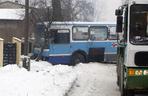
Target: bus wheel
(118, 81)
(77, 58)
(126, 92)
(123, 92)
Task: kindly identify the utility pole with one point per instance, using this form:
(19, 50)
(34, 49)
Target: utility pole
(26, 45)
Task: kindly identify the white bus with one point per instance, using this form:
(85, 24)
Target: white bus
(132, 50)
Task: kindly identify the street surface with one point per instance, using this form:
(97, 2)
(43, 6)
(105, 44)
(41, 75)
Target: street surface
(95, 79)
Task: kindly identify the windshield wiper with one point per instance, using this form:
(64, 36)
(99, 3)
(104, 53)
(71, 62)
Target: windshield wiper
(139, 40)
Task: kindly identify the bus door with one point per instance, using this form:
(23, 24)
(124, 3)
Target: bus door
(80, 37)
(111, 50)
(59, 45)
(98, 37)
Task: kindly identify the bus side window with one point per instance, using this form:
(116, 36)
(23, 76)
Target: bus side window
(98, 33)
(112, 33)
(52, 35)
(80, 33)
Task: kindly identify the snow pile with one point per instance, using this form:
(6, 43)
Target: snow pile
(40, 66)
(12, 14)
(43, 80)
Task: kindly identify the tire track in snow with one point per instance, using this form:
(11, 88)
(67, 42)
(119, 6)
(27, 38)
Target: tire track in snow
(71, 88)
(95, 79)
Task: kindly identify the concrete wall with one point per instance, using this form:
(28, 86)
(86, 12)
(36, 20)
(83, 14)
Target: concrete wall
(18, 49)
(1, 52)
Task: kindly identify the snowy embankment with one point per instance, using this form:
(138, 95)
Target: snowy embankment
(43, 80)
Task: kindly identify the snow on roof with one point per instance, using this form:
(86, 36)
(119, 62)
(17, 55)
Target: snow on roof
(79, 23)
(83, 23)
(136, 1)
(12, 14)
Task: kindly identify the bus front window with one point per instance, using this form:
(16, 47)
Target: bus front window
(147, 25)
(39, 36)
(139, 24)
(59, 36)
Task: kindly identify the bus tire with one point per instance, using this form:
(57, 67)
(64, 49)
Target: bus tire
(118, 81)
(130, 93)
(77, 58)
(126, 92)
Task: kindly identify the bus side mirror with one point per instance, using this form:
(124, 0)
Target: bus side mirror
(118, 12)
(119, 24)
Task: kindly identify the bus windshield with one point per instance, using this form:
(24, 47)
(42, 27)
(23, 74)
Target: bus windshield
(39, 36)
(59, 36)
(139, 24)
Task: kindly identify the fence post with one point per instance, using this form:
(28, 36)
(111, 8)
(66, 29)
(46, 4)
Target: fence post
(1, 51)
(18, 49)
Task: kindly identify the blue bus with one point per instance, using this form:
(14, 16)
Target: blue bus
(75, 42)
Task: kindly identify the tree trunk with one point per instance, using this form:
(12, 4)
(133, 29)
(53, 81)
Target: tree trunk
(57, 11)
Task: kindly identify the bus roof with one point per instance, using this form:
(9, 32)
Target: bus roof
(136, 1)
(80, 23)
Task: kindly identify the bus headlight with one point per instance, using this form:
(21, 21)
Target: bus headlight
(145, 72)
(46, 50)
(137, 72)
(131, 72)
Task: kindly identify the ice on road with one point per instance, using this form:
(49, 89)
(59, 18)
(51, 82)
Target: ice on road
(95, 79)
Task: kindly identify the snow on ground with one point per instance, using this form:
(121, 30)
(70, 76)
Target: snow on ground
(43, 80)
(95, 79)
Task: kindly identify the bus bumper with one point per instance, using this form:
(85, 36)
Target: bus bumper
(59, 60)
(137, 78)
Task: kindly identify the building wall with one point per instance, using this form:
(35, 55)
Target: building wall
(14, 28)
(11, 5)
(10, 28)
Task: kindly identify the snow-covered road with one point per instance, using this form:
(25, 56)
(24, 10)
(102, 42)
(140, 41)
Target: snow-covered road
(95, 79)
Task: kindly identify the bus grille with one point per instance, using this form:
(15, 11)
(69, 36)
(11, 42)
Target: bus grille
(141, 58)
